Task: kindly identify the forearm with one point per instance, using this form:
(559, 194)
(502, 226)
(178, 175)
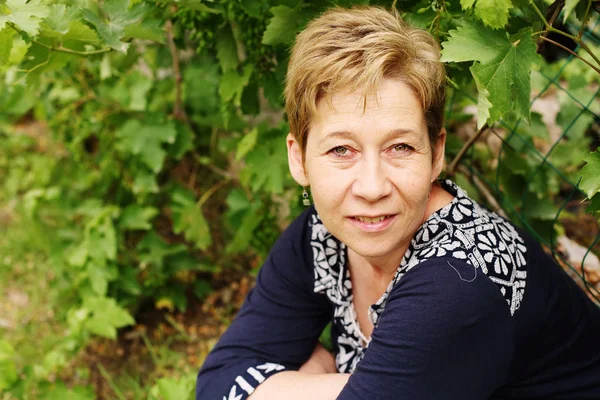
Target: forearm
(295, 385)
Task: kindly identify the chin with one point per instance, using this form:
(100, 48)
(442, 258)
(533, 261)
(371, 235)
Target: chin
(368, 249)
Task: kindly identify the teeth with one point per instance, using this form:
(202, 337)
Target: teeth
(370, 220)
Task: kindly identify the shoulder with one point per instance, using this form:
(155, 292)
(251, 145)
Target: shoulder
(451, 287)
(467, 232)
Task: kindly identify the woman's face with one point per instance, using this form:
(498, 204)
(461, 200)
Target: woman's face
(370, 172)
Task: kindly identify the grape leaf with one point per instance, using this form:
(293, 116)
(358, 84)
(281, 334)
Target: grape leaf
(232, 85)
(106, 316)
(505, 75)
(6, 41)
(144, 181)
(283, 25)
(146, 141)
(59, 19)
(27, 16)
(97, 277)
(113, 20)
(568, 9)
(102, 241)
(265, 166)
(78, 31)
(189, 219)
(493, 13)
(471, 41)
(590, 175)
(227, 49)
(148, 29)
(153, 249)
(244, 233)
(135, 216)
(246, 144)
(171, 389)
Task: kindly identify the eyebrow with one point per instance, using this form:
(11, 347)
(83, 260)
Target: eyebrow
(390, 134)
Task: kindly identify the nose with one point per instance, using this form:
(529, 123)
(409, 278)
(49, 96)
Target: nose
(371, 182)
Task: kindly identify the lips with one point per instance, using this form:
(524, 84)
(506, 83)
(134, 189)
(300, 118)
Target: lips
(372, 219)
(372, 224)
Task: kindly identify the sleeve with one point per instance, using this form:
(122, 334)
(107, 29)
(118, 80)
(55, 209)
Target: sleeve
(446, 333)
(277, 327)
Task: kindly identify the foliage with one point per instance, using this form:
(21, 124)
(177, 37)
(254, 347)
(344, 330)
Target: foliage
(148, 137)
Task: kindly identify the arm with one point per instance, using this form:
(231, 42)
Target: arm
(321, 362)
(316, 379)
(294, 385)
(277, 328)
(446, 333)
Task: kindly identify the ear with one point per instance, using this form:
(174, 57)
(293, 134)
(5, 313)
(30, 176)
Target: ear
(438, 155)
(295, 161)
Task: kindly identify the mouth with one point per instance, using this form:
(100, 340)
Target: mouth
(372, 220)
(373, 224)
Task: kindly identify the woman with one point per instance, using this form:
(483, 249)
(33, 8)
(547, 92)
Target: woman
(431, 296)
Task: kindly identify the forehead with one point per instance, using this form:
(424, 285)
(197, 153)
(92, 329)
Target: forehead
(393, 106)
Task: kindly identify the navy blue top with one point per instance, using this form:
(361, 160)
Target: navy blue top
(476, 310)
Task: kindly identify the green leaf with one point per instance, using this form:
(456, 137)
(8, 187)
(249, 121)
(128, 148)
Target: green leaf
(8, 368)
(493, 13)
(244, 234)
(106, 316)
(146, 141)
(59, 18)
(184, 141)
(483, 106)
(97, 277)
(233, 84)
(189, 219)
(78, 256)
(265, 166)
(60, 391)
(568, 9)
(594, 207)
(227, 49)
(6, 42)
(78, 31)
(148, 29)
(102, 241)
(196, 5)
(136, 217)
(283, 25)
(471, 41)
(138, 93)
(153, 249)
(27, 16)
(590, 175)
(502, 72)
(144, 181)
(171, 389)
(112, 21)
(246, 144)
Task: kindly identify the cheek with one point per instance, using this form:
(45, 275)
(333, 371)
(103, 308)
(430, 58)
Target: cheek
(328, 185)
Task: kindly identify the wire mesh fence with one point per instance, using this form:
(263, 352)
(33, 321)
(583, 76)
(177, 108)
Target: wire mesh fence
(531, 174)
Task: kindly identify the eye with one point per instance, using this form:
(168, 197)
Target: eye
(401, 148)
(340, 151)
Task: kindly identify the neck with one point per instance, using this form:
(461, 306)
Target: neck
(380, 269)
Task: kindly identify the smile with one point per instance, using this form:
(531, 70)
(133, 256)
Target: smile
(372, 224)
(372, 220)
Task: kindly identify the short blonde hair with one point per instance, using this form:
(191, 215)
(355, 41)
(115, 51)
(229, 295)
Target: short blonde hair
(357, 48)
